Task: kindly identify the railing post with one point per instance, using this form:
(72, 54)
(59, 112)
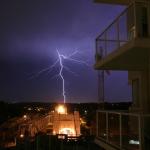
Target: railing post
(120, 124)
(140, 132)
(107, 126)
(105, 36)
(96, 46)
(118, 36)
(135, 20)
(97, 123)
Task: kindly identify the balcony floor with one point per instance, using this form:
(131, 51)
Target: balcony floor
(133, 55)
(119, 2)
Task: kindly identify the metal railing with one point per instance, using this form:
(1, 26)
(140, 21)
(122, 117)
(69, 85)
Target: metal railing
(127, 26)
(125, 131)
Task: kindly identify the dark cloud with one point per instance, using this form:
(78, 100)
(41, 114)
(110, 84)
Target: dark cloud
(32, 30)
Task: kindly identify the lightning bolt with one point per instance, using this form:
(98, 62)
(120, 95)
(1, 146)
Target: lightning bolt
(61, 75)
(59, 61)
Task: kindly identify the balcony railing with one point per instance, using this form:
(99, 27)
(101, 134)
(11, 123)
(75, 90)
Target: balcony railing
(126, 131)
(131, 23)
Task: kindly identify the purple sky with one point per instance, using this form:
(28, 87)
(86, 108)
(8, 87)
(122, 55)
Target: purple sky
(30, 33)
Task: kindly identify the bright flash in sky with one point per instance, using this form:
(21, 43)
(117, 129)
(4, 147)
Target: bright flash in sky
(59, 61)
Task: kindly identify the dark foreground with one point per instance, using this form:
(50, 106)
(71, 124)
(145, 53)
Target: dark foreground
(52, 143)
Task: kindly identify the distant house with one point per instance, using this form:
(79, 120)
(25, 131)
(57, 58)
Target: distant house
(65, 123)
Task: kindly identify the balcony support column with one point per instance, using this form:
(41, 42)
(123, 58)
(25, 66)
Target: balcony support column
(97, 124)
(107, 139)
(141, 121)
(104, 51)
(120, 124)
(135, 19)
(118, 36)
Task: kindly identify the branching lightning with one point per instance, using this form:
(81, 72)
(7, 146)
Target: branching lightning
(59, 61)
(61, 74)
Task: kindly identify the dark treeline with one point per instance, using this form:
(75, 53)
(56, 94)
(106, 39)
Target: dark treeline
(10, 110)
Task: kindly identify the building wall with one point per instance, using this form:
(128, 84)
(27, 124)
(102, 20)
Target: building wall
(142, 103)
(66, 121)
(77, 122)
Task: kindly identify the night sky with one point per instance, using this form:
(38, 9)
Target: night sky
(30, 33)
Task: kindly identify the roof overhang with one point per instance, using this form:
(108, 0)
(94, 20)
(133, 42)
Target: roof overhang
(116, 2)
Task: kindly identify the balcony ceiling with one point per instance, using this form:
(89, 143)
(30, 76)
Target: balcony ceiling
(132, 56)
(119, 2)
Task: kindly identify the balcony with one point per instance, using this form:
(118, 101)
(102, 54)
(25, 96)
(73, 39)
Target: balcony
(124, 44)
(119, 2)
(123, 131)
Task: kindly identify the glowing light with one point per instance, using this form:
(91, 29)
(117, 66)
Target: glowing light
(61, 109)
(59, 61)
(85, 112)
(52, 111)
(67, 131)
(29, 108)
(134, 142)
(54, 132)
(61, 136)
(82, 121)
(21, 136)
(25, 117)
